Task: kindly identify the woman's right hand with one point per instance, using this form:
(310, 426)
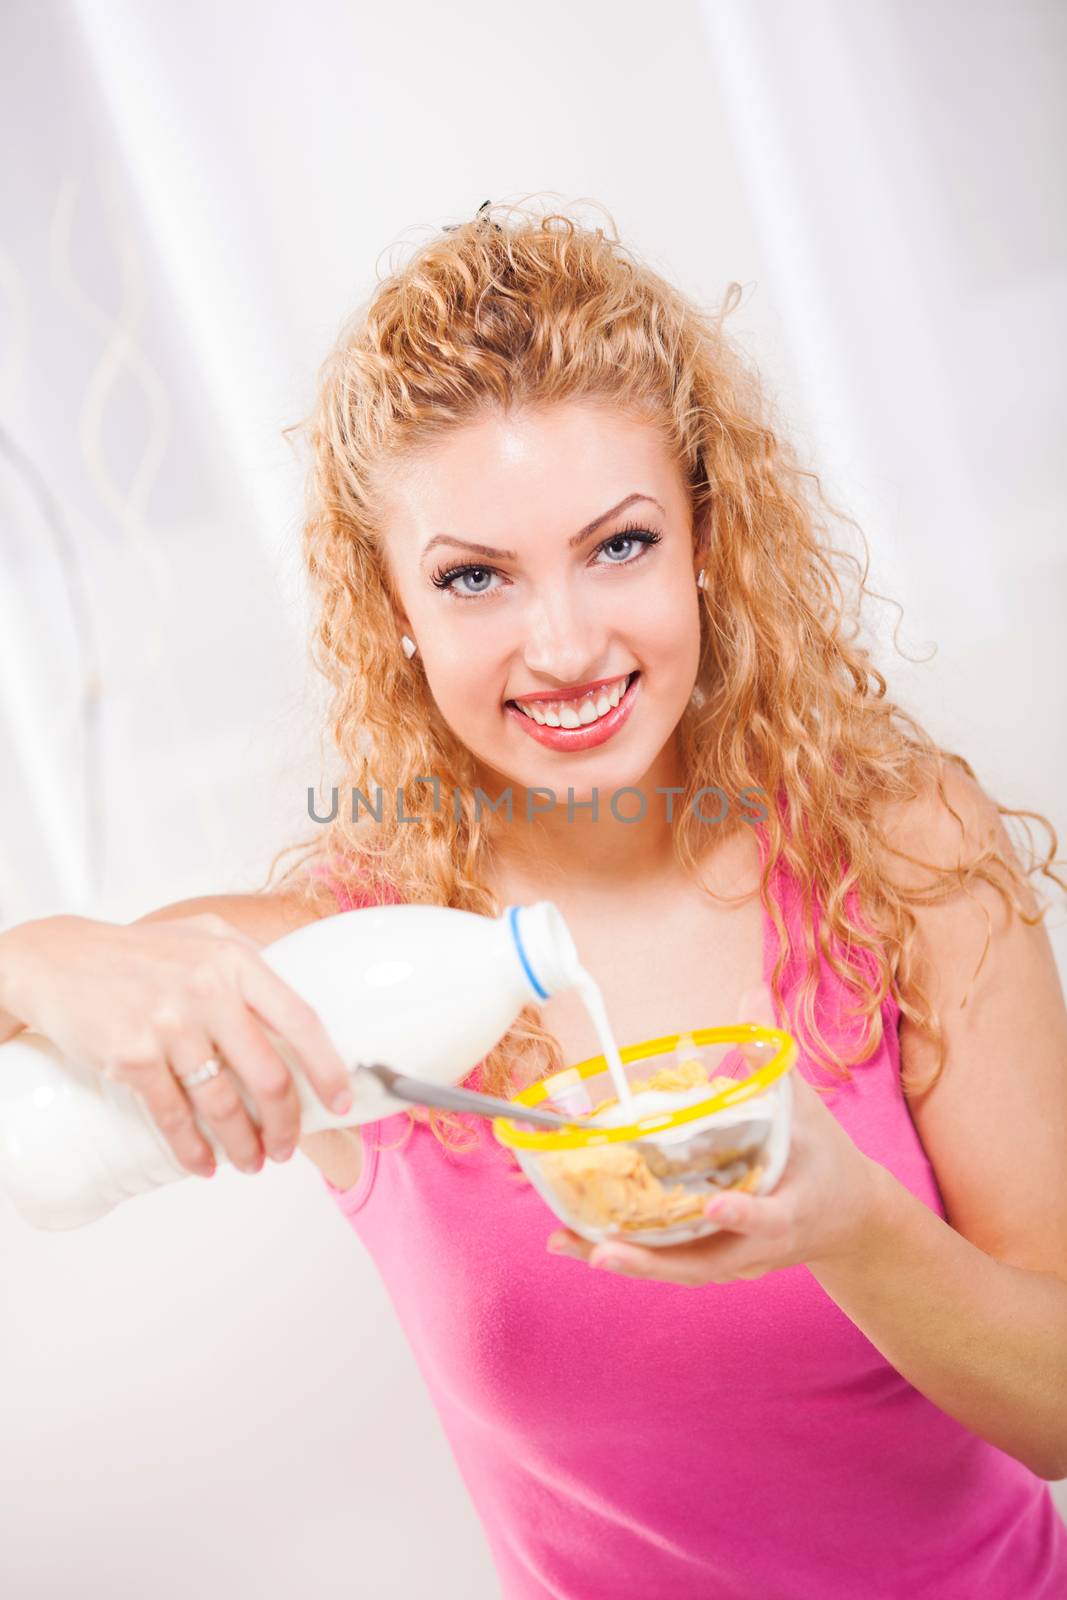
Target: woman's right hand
(146, 1002)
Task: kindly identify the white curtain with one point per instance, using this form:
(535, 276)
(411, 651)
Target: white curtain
(193, 198)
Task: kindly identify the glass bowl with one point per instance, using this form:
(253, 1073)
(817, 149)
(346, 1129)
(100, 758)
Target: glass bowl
(719, 1113)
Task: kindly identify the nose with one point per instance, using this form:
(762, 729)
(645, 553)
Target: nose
(563, 639)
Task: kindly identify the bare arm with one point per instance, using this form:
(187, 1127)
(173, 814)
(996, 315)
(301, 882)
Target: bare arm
(974, 1311)
(263, 917)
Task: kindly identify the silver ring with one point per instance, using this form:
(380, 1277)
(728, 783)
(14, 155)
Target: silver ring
(210, 1069)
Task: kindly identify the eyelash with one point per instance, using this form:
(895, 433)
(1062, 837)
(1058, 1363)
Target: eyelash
(635, 531)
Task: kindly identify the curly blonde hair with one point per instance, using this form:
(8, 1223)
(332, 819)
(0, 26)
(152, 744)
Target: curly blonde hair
(519, 309)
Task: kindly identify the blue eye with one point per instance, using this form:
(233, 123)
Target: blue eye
(619, 538)
(449, 578)
(632, 534)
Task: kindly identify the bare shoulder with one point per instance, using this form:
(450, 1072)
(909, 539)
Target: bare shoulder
(937, 829)
(337, 1152)
(993, 1122)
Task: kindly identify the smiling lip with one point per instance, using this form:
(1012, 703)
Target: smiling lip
(585, 737)
(566, 694)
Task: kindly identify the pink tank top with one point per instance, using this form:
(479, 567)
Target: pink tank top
(639, 1440)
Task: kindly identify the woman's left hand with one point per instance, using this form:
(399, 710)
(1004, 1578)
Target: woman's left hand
(819, 1208)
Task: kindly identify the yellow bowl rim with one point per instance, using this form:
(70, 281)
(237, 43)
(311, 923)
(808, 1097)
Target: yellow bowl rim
(508, 1133)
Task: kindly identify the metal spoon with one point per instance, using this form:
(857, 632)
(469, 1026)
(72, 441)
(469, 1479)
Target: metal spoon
(704, 1158)
(447, 1098)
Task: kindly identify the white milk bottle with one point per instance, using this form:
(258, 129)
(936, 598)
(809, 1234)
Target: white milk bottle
(426, 990)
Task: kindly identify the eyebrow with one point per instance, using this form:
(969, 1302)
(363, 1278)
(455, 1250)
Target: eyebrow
(576, 539)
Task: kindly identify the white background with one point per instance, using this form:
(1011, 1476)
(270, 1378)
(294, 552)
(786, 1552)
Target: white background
(207, 1391)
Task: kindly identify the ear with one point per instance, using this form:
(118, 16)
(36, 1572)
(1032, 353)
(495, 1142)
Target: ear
(701, 547)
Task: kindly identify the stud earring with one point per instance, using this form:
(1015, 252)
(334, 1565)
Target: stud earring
(700, 581)
(408, 646)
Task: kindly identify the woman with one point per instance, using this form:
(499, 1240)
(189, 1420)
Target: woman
(562, 559)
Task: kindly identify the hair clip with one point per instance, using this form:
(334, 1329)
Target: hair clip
(449, 227)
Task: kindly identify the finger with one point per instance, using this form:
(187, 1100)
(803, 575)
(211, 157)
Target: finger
(171, 1110)
(299, 1024)
(268, 1079)
(565, 1243)
(702, 1261)
(218, 1102)
(711, 1259)
(678, 1263)
(758, 1216)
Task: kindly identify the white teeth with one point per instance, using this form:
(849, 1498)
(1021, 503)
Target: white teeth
(576, 714)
